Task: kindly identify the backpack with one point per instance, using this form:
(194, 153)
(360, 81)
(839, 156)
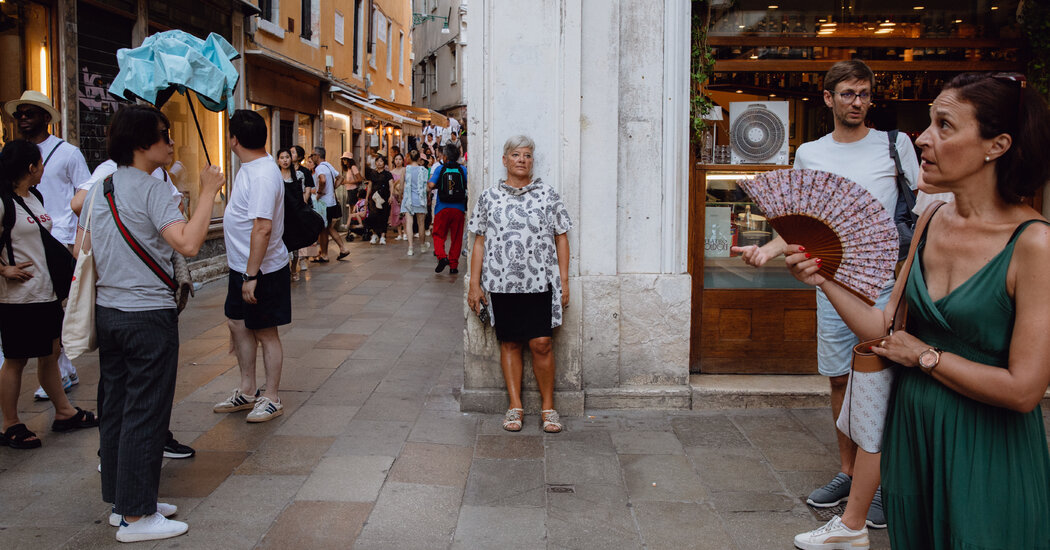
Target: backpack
(903, 216)
(8, 222)
(302, 224)
(452, 185)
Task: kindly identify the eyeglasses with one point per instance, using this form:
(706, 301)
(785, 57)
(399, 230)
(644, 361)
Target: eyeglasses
(848, 97)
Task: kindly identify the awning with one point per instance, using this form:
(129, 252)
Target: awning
(386, 114)
(419, 113)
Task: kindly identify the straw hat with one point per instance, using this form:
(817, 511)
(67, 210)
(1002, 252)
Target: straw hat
(347, 155)
(32, 97)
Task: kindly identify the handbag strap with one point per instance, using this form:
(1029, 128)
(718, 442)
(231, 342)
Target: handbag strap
(130, 239)
(897, 304)
(44, 233)
(87, 222)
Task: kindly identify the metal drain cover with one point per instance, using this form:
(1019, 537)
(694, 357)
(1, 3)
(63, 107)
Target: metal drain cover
(561, 489)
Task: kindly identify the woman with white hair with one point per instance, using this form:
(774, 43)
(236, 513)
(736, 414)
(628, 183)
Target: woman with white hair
(520, 260)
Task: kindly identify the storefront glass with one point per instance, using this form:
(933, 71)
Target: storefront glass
(189, 151)
(26, 56)
(305, 136)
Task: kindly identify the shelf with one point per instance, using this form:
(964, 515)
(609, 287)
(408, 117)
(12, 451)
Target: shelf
(861, 42)
(822, 65)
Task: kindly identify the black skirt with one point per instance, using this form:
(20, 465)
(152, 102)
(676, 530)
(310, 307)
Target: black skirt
(30, 330)
(521, 317)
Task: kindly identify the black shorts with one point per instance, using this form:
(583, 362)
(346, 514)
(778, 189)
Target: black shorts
(334, 213)
(30, 330)
(273, 294)
(521, 317)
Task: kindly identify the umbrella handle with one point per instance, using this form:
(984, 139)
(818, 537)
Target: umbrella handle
(199, 132)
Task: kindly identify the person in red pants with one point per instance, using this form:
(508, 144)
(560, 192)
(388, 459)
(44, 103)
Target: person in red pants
(450, 180)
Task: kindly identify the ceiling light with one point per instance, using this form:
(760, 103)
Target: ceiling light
(883, 31)
(958, 20)
(887, 24)
(805, 99)
(995, 7)
(753, 56)
(918, 7)
(773, 6)
(740, 91)
(771, 96)
(829, 24)
(743, 27)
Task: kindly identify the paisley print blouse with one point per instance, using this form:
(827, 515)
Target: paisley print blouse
(519, 226)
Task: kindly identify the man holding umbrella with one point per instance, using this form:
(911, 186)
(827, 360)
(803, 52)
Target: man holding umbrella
(64, 169)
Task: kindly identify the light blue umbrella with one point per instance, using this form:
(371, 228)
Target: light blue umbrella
(176, 61)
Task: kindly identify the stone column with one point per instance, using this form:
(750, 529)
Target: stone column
(588, 81)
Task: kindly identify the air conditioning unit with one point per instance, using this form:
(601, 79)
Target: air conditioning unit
(758, 132)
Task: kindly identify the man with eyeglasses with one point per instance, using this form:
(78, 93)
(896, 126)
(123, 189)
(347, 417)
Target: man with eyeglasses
(64, 168)
(861, 154)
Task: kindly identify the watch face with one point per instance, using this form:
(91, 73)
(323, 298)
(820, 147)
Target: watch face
(928, 359)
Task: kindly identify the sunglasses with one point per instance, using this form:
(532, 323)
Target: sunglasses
(165, 136)
(27, 113)
(1016, 78)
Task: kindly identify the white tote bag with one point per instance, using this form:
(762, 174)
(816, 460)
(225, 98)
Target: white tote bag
(78, 326)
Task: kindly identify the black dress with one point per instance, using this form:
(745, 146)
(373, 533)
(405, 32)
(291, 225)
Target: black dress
(378, 218)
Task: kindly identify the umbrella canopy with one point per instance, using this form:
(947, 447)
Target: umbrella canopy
(174, 61)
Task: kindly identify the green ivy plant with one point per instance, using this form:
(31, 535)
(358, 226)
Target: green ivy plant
(1035, 20)
(701, 67)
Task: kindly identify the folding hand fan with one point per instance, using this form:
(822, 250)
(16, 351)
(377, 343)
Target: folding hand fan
(836, 220)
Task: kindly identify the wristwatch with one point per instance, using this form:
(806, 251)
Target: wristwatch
(245, 277)
(929, 359)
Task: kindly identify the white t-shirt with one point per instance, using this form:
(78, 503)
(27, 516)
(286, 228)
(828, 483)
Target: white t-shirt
(110, 166)
(866, 162)
(27, 246)
(258, 192)
(64, 170)
(326, 169)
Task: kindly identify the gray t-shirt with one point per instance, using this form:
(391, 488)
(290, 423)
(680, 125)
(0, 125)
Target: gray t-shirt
(146, 208)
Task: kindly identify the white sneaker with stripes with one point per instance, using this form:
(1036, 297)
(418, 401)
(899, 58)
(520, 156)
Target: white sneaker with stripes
(265, 410)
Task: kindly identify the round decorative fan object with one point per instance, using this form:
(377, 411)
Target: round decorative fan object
(836, 220)
(757, 134)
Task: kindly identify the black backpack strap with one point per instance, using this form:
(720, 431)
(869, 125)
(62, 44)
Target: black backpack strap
(8, 225)
(107, 189)
(902, 187)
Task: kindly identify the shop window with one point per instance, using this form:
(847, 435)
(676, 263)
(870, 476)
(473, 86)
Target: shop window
(189, 152)
(305, 132)
(264, 111)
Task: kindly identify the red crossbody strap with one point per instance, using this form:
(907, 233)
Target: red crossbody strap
(130, 239)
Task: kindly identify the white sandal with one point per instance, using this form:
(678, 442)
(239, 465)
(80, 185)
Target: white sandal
(551, 421)
(512, 420)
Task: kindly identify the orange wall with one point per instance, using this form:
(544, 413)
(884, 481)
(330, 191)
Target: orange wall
(399, 14)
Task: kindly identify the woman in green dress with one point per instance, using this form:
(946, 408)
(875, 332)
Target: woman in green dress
(965, 462)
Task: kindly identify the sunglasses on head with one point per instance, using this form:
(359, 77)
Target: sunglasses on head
(1016, 78)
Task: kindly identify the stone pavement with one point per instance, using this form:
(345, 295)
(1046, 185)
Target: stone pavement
(372, 451)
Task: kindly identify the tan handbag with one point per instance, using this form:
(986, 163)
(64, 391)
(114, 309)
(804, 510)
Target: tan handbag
(78, 325)
(863, 414)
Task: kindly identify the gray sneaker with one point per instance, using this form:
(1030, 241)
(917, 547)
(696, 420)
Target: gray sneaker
(835, 492)
(876, 515)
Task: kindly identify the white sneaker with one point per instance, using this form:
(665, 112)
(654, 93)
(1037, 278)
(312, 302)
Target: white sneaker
(265, 410)
(410, 252)
(153, 527)
(236, 402)
(40, 394)
(374, 240)
(833, 536)
(163, 508)
(426, 244)
(382, 240)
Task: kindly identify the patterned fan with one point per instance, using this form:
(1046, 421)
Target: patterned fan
(836, 220)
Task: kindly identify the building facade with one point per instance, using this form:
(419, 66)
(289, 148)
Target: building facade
(439, 44)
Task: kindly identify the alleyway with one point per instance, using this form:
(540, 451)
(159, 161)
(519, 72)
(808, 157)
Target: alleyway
(372, 451)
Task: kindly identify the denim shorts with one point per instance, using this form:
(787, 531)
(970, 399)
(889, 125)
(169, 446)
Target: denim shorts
(835, 340)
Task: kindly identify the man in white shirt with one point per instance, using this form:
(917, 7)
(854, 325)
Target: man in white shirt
(862, 155)
(258, 298)
(326, 175)
(64, 168)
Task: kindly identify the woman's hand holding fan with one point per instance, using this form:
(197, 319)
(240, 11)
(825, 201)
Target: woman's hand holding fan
(803, 265)
(834, 220)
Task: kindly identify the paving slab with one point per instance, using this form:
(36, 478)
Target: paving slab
(506, 483)
(346, 479)
(432, 464)
(434, 512)
(500, 527)
(317, 525)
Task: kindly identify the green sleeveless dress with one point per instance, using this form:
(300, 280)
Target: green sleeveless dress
(956, 473)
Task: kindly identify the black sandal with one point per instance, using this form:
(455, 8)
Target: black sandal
(83, 419)
(17, 437)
